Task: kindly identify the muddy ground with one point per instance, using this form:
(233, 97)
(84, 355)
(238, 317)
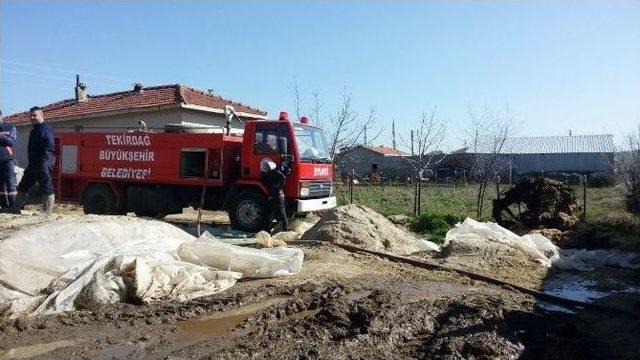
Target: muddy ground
(342, 306)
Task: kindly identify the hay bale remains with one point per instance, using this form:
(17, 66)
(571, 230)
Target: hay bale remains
(538, 202)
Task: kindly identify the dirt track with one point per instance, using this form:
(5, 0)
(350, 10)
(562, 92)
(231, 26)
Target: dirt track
(342, 305)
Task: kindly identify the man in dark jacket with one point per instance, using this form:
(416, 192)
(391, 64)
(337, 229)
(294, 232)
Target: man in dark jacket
(41, 161)
(8, 135)
(275, 178)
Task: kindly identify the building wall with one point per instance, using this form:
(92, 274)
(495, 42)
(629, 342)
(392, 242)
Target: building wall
(202, 117)
(361, 161)
(570, 163)
(155, 120)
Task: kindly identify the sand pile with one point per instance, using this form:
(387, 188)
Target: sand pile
(360, 226)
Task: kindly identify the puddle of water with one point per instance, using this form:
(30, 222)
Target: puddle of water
(27, 351)
(222, 323)
(126, 351)
(580, 288)
(553, 307)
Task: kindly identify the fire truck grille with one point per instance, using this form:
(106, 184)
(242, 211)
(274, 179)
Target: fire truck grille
(320, 188)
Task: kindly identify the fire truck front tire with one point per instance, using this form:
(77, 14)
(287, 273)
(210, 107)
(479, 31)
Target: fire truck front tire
(250, 211)
(99, 199)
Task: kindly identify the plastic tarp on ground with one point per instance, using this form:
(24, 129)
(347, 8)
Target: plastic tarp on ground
(82, 263)
(475, 234)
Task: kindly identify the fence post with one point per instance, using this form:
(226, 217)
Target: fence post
(584, 197)
(498, 187)
(419, 192)
(351, 173)
(415, 198)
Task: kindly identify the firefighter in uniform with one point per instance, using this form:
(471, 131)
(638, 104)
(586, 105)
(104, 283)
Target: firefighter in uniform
(275, 178)
(8, 135)
(41, 151)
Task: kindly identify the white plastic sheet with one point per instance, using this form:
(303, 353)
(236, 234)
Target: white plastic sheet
(537, 247)
(74, 264)
(251, 263)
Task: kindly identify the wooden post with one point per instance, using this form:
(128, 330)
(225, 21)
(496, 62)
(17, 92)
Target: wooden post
(199, 222)
(415, 198)
(351, 175)
(584, 197)
(498, 187)
(419, 192)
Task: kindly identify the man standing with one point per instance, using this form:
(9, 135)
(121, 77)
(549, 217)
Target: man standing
(8, 135)
(41, 161)
(274, 179)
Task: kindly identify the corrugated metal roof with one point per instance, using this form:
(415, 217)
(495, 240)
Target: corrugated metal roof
(551, 145)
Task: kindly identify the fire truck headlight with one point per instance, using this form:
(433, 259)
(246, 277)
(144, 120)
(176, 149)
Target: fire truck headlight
(304, 188)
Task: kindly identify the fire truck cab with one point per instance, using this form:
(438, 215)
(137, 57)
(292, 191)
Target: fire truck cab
(159, 173)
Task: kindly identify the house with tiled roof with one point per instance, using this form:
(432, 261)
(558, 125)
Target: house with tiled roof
(156, 107)
(367, 159)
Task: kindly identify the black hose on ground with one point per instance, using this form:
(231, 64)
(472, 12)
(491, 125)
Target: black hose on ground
(475, 276)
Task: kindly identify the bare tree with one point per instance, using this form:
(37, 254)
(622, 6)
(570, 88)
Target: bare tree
(296, 100)
(317, 108)
(345, 129)
(426, 140)
(629, 160)
(489, 132)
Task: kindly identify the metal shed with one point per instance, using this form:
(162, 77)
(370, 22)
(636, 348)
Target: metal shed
(584, 154)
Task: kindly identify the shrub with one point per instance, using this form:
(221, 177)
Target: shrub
(435, 225)
(599, 180)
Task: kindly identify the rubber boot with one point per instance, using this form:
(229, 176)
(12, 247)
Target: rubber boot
(47, 203)
(19, 203)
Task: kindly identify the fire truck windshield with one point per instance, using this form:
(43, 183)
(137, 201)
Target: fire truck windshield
(311, 144)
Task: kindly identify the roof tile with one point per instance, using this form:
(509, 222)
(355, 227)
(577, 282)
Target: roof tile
(384, 150)
(127, 100)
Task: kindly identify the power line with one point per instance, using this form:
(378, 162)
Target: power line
(11, 71)
(68, 71)
(34, 84)
(43, 76)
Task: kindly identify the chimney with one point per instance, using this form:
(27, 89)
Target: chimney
(81, 90)
(138, 87)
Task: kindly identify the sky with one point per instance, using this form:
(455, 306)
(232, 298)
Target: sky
(556, 65)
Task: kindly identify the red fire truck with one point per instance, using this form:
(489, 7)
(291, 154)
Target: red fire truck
(159, 173)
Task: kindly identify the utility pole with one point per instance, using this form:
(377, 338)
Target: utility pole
(365, 135)
(411, 142)
(393, 133)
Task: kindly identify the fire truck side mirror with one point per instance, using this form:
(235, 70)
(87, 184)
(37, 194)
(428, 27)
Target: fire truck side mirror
(282, 145)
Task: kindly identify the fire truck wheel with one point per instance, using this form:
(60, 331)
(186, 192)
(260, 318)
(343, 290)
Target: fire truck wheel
(99, 199)
(250, 211)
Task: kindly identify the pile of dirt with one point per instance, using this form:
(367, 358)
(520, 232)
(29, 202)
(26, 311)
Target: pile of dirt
(495, 260)
(538, 202)
(358, 225)
(491, 250)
